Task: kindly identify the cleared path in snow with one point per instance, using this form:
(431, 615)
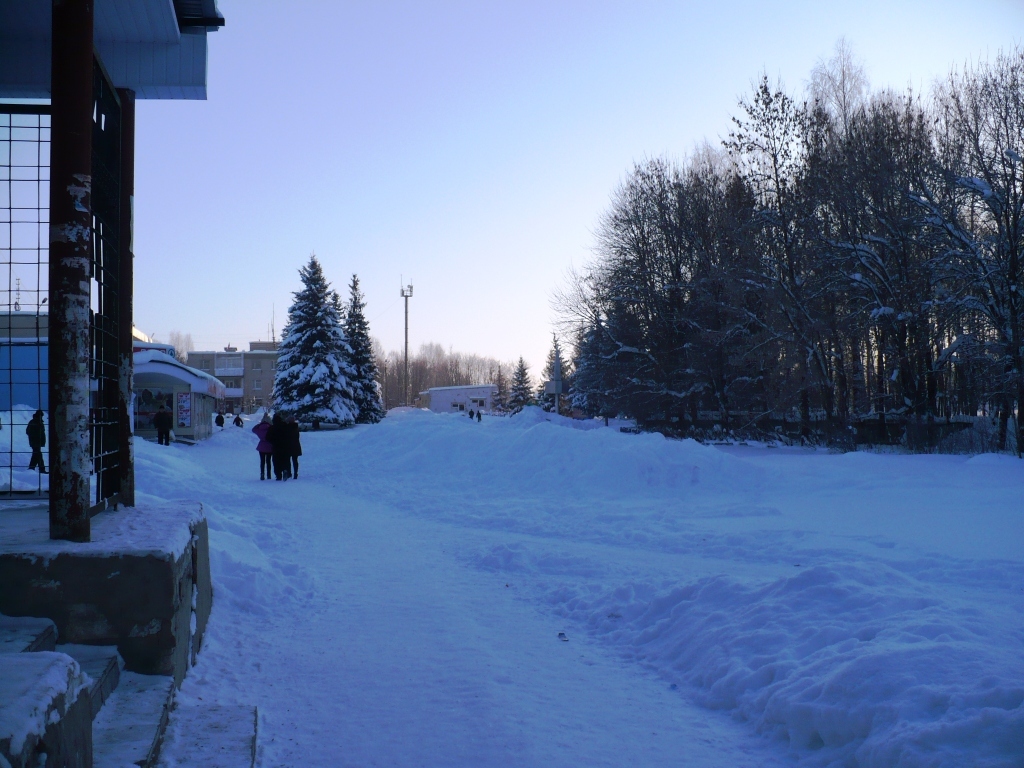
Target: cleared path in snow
(366, 642)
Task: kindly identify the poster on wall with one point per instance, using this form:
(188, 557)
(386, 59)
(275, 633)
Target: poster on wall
(184, 409)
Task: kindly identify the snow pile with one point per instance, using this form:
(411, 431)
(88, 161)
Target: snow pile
(531, 454)
(862, 665)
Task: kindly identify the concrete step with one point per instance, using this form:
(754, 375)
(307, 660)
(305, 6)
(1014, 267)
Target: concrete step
(24, 633)
(44, 711)
(128, 730)
(211, 735)
(101, 663)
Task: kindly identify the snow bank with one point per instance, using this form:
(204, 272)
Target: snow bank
(859, 666)
(532, 453)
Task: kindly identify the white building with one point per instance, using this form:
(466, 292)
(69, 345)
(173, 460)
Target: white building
(191, 396)
(455, 399)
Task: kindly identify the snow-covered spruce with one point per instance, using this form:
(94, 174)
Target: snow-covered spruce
(521, 393)
(313, 368)
(365, 388)
(544, 400)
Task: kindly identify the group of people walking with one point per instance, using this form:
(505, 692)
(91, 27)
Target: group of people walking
(279, 447)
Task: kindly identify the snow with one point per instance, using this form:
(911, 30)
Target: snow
(31, 685)
(153, 528)
(401, 603)
(124, 729)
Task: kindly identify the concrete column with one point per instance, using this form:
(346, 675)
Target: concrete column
(70, 267)
(125, 290)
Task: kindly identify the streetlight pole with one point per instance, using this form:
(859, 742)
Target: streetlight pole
(406, 293)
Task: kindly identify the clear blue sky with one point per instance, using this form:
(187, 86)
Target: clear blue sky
(469, 146)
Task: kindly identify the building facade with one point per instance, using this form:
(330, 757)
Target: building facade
(458, 399)
(248, 377)
(189, 395)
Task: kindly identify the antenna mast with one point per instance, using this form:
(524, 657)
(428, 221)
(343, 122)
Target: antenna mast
(406, 293)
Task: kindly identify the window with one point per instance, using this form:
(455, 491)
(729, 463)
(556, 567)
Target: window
(257, 365)
(257, 385)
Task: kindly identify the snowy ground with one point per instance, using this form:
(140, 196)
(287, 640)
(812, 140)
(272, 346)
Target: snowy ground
(400, 603)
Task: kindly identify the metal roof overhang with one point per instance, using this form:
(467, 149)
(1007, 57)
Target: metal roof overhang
(157, 48)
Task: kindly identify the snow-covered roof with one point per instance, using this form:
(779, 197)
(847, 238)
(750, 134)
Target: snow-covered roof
(156, 362)
(463, 386)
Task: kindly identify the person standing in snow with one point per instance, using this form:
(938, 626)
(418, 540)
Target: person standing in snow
(277, 436)
(479, 418)
(238, 420)
(294, 447)
(471, 414)
(163, 423)
(219, 421)
(264, 447)
(36, 432)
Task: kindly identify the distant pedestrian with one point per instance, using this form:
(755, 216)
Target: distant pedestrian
(163, 423)
(277, 436)
(294, 446)
(238, 420)
(471, 414)
(219, 421)
(36, 432)
(479, 418)
(263, 446)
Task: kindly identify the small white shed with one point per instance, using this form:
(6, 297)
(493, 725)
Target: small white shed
(459, 399)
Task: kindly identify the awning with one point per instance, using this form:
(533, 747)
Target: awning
(157, 48)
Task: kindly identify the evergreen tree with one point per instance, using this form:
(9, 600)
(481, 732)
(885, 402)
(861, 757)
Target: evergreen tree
(521, 394)
(546, 401)
(313, 369)
(499, 403)
(365, 389)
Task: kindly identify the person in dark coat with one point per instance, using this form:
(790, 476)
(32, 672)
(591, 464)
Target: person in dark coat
(163, 423)
(479, 418)
(219, 421)
(263, 446)
(238, 420)
(294, 446)
(277, 436)
(36, 432)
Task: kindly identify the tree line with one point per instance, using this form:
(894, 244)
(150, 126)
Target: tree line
(433, 366)
(845, 263)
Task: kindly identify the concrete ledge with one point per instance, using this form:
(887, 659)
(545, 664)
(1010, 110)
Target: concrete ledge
(44, 709)
(21, 634)
(135, 585)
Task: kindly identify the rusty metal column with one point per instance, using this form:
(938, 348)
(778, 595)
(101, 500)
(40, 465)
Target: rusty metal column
(125, 290)
(70, 266)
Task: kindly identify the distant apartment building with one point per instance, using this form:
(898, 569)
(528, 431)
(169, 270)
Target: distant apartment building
(248, 376)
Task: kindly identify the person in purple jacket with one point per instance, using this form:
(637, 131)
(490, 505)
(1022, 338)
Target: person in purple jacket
(264, 447)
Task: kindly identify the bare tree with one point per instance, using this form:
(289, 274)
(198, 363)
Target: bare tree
(840, 85)
(182, 343)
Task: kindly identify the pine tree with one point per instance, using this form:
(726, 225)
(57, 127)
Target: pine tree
(499, 403)
(546, 401)
(365, 389)
(521, 394)
(313, 369)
